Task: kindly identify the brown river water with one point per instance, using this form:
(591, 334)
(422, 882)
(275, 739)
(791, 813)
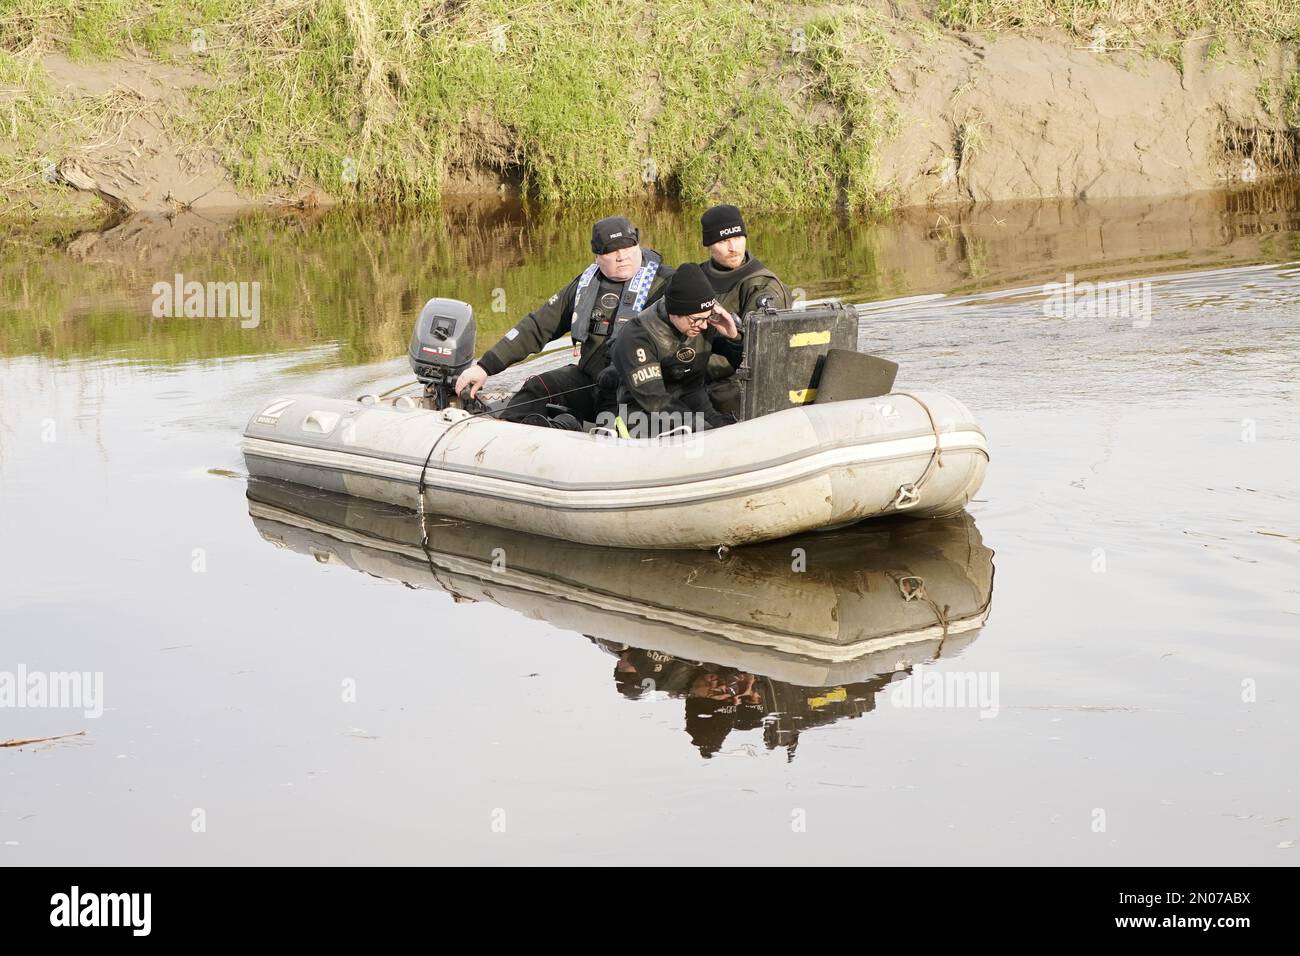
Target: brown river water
(1097, 664)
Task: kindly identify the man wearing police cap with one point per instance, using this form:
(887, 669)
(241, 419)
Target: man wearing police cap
(624, 278)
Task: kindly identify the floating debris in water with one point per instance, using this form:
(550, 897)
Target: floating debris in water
(39, 740)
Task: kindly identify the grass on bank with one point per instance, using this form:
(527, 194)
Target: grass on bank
(761, 102)
(764, 102)
(1157, 29)
(1139, 21)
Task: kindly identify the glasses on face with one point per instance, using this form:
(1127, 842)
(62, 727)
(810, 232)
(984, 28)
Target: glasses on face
(699, 319)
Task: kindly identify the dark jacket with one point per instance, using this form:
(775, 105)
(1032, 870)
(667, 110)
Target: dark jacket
(555, 318)
(661, 370)
(740, 290)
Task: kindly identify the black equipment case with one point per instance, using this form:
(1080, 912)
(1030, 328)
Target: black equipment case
(784, 353)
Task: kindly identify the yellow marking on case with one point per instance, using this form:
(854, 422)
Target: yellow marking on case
(810, 338)
(838, 694)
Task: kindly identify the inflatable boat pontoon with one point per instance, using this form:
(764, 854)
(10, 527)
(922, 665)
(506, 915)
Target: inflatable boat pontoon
(802, 469)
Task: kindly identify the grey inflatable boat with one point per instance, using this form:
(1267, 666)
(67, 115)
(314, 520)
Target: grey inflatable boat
(796, 464)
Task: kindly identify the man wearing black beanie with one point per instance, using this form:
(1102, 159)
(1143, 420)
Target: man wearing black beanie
(741, 283)
(661, 358)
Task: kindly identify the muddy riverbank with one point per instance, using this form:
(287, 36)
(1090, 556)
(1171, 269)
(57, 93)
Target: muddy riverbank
(866, 107)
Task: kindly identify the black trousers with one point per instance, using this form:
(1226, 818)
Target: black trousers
(725, 395)
(570, 387)
(691, 407)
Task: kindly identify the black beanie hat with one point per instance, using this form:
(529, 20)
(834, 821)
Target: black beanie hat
(689, 291)
(613, 232)
(721, 222)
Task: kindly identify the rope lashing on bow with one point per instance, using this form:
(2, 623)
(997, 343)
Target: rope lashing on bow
(912, 588)
(909, 494)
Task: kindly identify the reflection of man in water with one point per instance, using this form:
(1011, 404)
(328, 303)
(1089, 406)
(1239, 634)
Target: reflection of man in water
(709, 720)
(740, 688)
(640, 672)
(722, 699)
(718, 699)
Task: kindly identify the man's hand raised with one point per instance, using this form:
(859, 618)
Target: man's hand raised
(723, 321)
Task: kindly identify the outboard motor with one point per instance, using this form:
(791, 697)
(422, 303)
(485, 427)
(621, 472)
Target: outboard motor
(442, 346)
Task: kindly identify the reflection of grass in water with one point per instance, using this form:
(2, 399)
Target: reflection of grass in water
(354, 278)
(1284, 248)
(357, 278)
(977, 256)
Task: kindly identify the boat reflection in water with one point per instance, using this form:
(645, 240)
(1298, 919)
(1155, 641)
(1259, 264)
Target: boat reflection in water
(784, 636)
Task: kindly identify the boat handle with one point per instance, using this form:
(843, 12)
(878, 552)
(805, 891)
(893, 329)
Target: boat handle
(684, 429)
(911, 587)
(320, 422)
(908, 495)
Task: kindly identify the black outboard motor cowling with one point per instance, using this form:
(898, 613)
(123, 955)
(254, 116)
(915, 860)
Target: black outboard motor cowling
(442, 346)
